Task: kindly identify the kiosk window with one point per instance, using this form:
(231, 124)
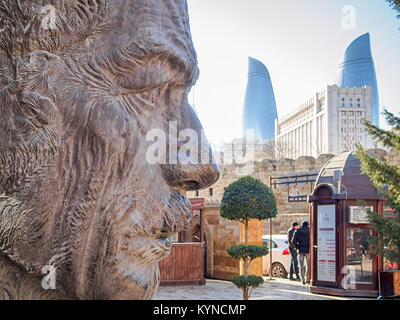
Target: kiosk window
(359, 254)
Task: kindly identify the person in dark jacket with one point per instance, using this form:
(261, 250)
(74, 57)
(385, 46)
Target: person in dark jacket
(301, 241)
(294, 265)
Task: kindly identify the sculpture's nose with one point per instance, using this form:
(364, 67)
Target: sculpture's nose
(194, 166)
(191, 177)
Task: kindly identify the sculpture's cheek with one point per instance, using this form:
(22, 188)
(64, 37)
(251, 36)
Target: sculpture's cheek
(104, 124)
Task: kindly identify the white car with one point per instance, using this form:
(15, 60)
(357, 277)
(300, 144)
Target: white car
(281, 257)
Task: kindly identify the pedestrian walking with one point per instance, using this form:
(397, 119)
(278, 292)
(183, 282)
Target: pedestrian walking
(301, 241)
(294, 264)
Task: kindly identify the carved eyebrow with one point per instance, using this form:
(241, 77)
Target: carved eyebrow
(124, 59)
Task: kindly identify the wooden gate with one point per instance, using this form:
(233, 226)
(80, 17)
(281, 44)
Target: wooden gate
(184, 265)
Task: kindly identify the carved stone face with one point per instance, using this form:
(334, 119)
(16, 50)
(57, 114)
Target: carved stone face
(76, 103)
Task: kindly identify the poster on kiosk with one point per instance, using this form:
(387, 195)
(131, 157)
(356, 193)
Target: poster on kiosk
(326, 243)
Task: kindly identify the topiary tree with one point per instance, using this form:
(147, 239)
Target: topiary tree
(245, 199)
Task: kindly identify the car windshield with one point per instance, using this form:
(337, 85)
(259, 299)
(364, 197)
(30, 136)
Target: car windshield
(266, 243)
(276, 242)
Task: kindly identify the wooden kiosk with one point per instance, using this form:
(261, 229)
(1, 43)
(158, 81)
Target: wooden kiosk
(185, 264)
(341, 259)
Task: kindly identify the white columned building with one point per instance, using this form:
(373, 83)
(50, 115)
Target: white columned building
(329, 122)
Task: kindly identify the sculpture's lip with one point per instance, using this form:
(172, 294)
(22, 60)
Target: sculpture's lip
(172, 216)
(149, 241)
(155, 250)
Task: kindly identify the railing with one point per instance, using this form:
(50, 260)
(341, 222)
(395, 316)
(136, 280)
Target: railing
(308, 178)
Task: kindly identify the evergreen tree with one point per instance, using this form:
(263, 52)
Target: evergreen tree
(395, 4)
(386, 178)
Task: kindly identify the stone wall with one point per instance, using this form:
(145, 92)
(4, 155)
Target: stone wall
(281, 225)
(393, 157)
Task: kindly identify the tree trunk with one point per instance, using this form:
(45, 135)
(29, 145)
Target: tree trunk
(246, 260)
(246, 293)
(246, 243)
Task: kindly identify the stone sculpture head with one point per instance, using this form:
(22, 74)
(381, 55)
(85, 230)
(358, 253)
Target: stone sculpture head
(81, 84)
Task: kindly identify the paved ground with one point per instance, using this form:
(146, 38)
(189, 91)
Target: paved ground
(279, 289)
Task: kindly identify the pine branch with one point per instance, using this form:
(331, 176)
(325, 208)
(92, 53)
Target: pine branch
(392, 119)
(389, 139)
(384, 176)
(387, 243)
(395, 4)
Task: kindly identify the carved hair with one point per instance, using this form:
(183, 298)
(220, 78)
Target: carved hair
(21, 23)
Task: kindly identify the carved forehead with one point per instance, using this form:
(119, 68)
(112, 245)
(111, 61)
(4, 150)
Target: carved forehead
(154, 27)
(145, 27)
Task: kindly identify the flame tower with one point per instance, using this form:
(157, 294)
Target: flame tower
(259, 112)
(357, 69)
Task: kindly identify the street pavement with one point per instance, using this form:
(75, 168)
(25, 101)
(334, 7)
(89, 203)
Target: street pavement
(278, 289)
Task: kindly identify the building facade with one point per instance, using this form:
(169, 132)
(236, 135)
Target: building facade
(357, 69)
(330, 122)
(259, 111)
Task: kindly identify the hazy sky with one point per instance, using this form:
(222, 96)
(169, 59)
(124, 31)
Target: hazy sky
(301, 42)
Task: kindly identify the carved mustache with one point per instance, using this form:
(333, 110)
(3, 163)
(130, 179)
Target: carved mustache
(150, 244)
(178, 215)
(175, 213)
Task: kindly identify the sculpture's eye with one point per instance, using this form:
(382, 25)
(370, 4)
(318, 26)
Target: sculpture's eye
(150, 73)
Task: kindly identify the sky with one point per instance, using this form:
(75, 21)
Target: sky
(301, 42)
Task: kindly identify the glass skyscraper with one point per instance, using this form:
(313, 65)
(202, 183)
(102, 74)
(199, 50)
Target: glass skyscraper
(259, 112)
(357, 69)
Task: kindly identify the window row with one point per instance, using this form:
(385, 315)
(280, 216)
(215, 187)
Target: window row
(352, 113)
(351, 99)
(344, 130)
(352, 121)
(351, 105)
(351, 139)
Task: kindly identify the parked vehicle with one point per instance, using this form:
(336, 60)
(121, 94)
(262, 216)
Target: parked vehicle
(281, 257)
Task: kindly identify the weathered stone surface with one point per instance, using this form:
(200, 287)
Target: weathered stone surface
(76, 101)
